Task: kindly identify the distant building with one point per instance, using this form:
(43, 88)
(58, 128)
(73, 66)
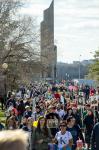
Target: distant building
(87, 62)
(48, 49)
(76, 62)
(84, 62)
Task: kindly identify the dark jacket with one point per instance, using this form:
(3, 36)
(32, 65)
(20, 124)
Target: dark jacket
(89, 123)
(24, 127)
(95, 137)
(21, 108)
(1, 126)
(78, 119)
(12, 101)
(27, 114)
(36, 136)
(76, 134)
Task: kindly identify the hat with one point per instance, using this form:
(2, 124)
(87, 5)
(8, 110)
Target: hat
(27, 107)
(87, 105)
(38, 107)
(51, 106)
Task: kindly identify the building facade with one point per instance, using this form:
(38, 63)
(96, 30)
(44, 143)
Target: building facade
(48, 49)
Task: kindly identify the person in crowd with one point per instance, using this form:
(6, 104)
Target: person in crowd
(12, 123)
(87, 108)
(77, 116)
(27, 103)
(63, 98)
(30, 130)
(96, 114)
(1, 126)
(86, 91)
(54, 88)
(75, 130)
(41, 135)
(42, 106)
(30, 123)
(11, 100)
(53, 118)
(65, 110)
(97, 94)
(9, 109)
(28, 112)
(13, 140)
(63, 138)
(9, 94)
(60, 111)
(69, 113)
(21, 109)
(61, 88)
(37, 113)
(48, 94)
(89, 124)
(92, 92)
(2, 101)
(23, 90)
(12, 120)
(24, 124)
(57, 96)
(72, 96)
(95, 137)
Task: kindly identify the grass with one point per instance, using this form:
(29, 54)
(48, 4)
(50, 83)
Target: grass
(2, 115)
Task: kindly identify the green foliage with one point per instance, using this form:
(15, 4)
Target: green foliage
(2, 114)
(94, 68)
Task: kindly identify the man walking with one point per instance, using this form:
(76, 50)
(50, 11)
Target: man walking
(95, 138)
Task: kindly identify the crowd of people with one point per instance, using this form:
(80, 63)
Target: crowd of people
(56, 116)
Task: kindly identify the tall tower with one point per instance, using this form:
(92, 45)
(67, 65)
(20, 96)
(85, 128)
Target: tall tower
(48, 50)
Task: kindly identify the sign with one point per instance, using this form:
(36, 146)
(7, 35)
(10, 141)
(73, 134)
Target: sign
(52, 123)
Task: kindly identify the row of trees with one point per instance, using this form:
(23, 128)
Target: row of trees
(19, 38)
(71, 71)
(94, 68)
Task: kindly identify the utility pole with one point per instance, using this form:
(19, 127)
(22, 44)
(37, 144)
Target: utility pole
(79, 68)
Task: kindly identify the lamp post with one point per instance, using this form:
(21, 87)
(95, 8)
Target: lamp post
(5, 66)
(66, 76)
(79, 68)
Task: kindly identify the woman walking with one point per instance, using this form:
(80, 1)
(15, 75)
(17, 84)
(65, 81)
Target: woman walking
(41, 135)
(89, 124)
(63, 138)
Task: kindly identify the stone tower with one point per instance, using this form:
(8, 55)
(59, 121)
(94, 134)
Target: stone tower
(48, 49)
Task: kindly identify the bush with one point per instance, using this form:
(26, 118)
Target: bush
(2, 114)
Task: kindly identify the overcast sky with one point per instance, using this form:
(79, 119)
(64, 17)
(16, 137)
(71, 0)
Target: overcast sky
(76, 26)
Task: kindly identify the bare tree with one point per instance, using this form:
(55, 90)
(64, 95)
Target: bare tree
(19, 38)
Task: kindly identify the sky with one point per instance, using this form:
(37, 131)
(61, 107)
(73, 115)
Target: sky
(76, 26)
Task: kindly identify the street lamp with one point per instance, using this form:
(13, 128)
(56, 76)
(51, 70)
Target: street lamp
(5, 66)
(79, 67)
(66, 76)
